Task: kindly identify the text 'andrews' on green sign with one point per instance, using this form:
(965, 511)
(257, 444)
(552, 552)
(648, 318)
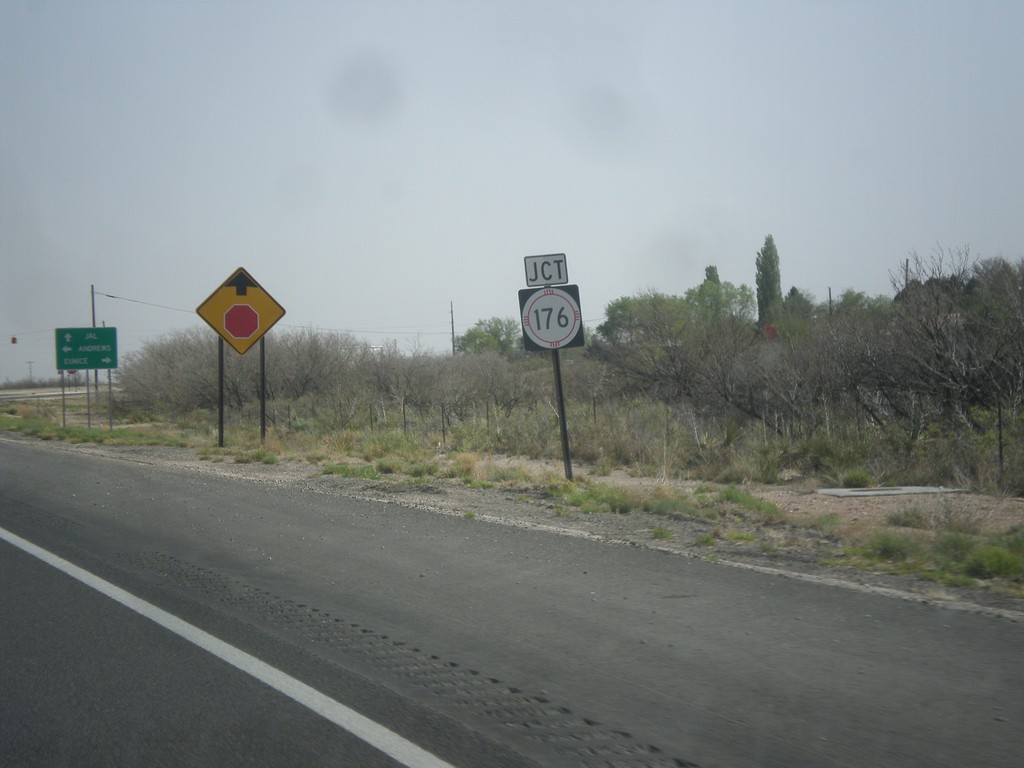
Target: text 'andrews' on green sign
(86, 348)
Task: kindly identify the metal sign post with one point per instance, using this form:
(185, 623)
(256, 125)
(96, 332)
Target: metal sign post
(563, 425)
(220, 393)
(263, 391)
(63, 401)
(110, 400)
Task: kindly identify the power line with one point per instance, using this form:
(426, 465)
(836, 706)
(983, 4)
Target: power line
(146, 303)
(392, 330)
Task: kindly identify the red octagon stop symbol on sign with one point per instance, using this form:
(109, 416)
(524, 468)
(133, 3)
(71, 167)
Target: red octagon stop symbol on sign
(241, 321)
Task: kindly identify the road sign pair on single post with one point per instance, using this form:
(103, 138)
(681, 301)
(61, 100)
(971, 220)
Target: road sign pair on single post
(552, 320)
(550, 315)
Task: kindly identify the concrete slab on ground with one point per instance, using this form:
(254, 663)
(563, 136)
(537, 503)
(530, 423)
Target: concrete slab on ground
(898, 490)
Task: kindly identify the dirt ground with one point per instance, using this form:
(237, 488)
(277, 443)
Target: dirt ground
(795, 548)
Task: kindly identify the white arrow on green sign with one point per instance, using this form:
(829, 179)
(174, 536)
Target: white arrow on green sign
(88, 348)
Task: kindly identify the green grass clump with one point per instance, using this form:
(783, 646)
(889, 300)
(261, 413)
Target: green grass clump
(740, 536)
(908, 518)
(45, 429)
(423, 469)
(662, 533)
(463, 466)
(954, 547)
(616, 499)
(958, 519)
(760, 510)
(390, 466)
(394, 446)
(890, 546)
(671, 504)
(594, 497)
(828, 522)
(509, 475)
(258, 456)
(857, 478)
(558, 487)
(361, 471)
(994, 561)
(604, 466)
(951, 557)
(1014, 539)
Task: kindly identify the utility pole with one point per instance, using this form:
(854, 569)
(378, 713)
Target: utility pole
(95, 373)
(451, 306)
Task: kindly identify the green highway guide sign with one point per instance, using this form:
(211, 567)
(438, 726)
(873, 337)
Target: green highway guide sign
(86, 348)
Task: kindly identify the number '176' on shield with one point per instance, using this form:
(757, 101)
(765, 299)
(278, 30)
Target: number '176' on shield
(551, 317)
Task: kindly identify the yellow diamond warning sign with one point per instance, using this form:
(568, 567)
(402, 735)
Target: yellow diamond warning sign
(240, 311)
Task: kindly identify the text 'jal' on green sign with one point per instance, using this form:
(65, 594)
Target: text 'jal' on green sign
(86, 348)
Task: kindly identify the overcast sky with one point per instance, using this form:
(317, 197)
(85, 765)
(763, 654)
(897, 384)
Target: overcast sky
(373, 164)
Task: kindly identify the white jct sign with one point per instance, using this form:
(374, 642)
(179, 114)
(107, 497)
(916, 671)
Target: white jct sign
(546, 270)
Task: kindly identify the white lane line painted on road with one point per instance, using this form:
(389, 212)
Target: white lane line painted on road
(373, 733)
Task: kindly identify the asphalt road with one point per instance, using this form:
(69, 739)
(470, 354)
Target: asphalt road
(481, 644)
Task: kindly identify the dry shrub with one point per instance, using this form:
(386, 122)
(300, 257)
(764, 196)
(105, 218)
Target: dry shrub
(463, 465)
(959, 518)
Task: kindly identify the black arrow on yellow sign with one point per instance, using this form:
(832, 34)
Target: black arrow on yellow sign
(241, 282)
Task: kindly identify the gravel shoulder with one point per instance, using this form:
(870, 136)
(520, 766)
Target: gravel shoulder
(794, 549)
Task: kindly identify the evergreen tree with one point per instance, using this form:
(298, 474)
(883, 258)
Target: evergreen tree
(768, 280)
(797, 304)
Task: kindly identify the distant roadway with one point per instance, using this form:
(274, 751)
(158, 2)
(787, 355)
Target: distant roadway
(153, 616)
(46, 393)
